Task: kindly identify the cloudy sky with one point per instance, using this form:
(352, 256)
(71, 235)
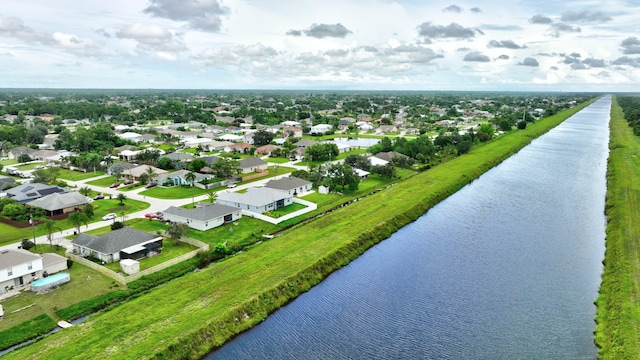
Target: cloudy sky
(559, 45)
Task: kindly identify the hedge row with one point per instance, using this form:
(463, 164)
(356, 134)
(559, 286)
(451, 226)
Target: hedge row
(27, 330)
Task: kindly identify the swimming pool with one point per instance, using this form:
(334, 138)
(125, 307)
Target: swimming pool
(50, 282)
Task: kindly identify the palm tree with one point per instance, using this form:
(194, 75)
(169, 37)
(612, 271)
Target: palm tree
(85, 191)
(212, 196)
(77, 219)
(50, 227)
(191, 177)
(121, 198)
(151, 173)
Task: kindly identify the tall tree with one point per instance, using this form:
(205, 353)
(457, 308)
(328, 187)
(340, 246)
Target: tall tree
(77, 219)
(50, 227)
(177, 230)
(121, 199)
(190, 177)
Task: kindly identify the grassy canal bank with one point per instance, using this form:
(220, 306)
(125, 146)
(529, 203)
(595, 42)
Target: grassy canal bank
(198, 312)
(618, 331)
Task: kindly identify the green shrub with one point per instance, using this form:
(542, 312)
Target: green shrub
(27, 330)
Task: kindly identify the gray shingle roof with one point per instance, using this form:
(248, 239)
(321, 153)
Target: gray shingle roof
(202, 213)
(251, 162)
(114, 241)
(287, 183)
(10, 258)
(57, 201)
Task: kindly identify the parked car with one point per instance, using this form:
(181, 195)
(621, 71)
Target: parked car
(114, 185)
(150, 185)
(98, 197)
(151, 215)
(231, 186)
(109, 216)
(128, 182)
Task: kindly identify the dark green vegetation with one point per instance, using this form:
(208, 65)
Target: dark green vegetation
(27, 330)
(618, 331)
(199, 311)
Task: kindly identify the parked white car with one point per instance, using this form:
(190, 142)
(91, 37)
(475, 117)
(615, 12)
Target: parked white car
(109, 216)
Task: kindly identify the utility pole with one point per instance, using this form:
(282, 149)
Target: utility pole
(33, 230)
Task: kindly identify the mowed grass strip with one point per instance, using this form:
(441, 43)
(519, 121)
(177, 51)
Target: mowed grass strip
(618, 316)
(211, 303)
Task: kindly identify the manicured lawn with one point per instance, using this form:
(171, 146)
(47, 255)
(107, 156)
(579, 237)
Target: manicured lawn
(73, 175)
(134, 186)
(293, 207)
(277, 160)
(78, 289)
(28, 166)
(352, 152)
(104, 182)
(9, 162)
(175, 192)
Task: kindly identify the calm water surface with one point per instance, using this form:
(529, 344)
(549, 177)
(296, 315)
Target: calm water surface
(507, 268)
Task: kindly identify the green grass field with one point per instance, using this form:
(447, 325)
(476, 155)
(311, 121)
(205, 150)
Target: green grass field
(200, 311)
(618, 332)
(104, 182)
(73, 175)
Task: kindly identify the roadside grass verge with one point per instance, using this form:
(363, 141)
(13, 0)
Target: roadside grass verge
(103, 182)
(198, 312)
(618, 316)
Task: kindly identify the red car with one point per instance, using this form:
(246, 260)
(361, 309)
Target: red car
(150, 185)
(114, 185)
(151, 215)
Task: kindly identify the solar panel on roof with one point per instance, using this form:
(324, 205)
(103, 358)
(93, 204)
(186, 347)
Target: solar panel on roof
(26, 188)
(32, 194)
(50, 191)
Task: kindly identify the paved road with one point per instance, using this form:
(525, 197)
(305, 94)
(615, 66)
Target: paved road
(155, 205)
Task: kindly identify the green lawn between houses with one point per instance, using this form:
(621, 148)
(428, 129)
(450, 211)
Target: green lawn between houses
(200, 311)
(73, 175)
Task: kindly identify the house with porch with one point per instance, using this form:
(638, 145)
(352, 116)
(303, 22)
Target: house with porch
(204, 216)
(258, 200)
(123, 243)
(179, 177)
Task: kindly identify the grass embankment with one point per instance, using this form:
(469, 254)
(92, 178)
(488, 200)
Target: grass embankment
(200, 311)
(618, 332)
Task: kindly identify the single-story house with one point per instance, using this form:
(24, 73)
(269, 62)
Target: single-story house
(203, 217)
(211, 160)
(123, 243)
(28, 192)
(267, 149)
(292, 185)
(321, 129)
(387, 156)
(256, 200)
(178, 177)
(18, 267)
(231, 138)
(17, 151)
(250, 165)
(238, 147)
(292, 131)
(384, 129)
(135, 173)
(179, 156)
(131, 136)
(60, 203)
(362, 174)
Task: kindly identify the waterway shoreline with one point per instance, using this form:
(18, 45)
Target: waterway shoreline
(317, 251)
(618, 317)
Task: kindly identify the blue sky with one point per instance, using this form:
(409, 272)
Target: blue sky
(332, 44)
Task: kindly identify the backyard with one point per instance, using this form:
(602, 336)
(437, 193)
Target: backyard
(85, 283)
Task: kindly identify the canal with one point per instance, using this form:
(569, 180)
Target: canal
(506, 268)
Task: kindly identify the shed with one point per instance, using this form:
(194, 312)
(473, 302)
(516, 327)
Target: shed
(130, 266)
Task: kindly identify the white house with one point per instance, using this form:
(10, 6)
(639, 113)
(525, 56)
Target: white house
(203, 217)
(321, 129)
(257, 200)
(18, 268)
(131, 136)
